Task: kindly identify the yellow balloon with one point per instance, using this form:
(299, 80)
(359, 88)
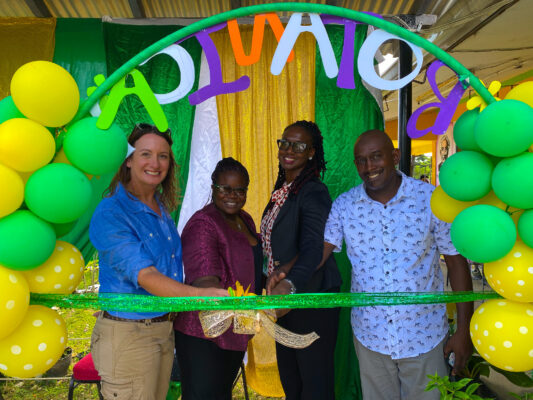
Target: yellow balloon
(502, 332)
(522, 92)
(35, 346)
(61, 273)
(14, 300)
(446, 208)
(25, 145)
(45, 92)
(12, 191)
(25, 176)
(512, 276)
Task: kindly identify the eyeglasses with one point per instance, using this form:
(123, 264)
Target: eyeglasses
(297, 147)
(226, 190)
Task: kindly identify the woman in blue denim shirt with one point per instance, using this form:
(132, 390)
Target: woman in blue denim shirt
(139, 253)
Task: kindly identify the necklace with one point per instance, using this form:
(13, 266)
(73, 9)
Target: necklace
(234, 222)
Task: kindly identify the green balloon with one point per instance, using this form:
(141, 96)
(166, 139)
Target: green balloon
(525, 227)
(466, 176)
(463, 131)
(503, 129)
(483, 233)
(512, 181)
(58, 193)
(26, 241)
(93, 150)
(9, 110)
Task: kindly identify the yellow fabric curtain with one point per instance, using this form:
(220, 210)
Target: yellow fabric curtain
(23, 40)
(252, 120)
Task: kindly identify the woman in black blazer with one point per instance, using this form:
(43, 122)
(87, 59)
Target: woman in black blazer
(292, 229)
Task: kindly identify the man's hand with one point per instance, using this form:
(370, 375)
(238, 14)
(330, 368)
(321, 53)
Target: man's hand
(283, 287)
(460, 344)
(274, 279)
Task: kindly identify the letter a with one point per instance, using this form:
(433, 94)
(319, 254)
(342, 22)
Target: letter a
(145, 94)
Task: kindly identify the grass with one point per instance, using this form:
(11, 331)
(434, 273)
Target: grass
(79, 324)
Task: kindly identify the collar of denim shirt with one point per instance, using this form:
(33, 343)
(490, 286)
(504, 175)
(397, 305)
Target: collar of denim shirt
(133, 204)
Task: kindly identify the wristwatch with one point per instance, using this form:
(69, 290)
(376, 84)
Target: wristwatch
(293, 288)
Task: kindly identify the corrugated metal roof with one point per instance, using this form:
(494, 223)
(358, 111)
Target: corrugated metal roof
(196, 9)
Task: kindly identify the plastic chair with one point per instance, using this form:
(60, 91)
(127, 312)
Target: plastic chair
(84, 372)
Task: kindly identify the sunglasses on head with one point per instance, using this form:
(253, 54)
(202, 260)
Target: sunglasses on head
(143, 127)
(226, 190)
(297, 147)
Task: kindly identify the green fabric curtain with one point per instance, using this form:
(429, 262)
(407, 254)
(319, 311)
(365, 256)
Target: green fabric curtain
(342, 115)
(79, 48)
(163, 75)
(87, 47)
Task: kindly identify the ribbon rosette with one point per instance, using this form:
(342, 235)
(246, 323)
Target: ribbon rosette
(250, 322)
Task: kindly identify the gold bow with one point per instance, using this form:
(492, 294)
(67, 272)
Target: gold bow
(250, 322)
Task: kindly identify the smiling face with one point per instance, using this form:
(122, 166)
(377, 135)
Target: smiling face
(292, 162)
(149, 162)
(227, 200)
(375, 159)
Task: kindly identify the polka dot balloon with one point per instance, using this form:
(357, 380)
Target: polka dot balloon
(512, 275)
(502, 332)
(36, 344)
(14, 300)
(61, 273)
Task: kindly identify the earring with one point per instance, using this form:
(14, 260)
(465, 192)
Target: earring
(310, 158)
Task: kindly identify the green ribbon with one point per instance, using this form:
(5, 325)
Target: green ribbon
(140, 303)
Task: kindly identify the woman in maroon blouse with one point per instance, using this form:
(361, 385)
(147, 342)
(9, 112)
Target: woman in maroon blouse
(220, 247)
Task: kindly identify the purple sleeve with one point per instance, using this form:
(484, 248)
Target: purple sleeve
(200, 249)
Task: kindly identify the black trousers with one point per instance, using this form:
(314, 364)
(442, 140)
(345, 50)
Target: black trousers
(309, 374)
(207, 371)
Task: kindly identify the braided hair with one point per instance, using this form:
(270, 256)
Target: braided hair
(229, 164)
(315, 167)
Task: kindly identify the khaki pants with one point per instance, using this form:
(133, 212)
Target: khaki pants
(133, 359)
(383, 378)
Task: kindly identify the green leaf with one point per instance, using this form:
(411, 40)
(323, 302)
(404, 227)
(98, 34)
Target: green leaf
(462, 395)
(484, 369)
(472, 388)
(462, 383)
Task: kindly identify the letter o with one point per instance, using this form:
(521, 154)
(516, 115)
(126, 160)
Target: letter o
(365, 61)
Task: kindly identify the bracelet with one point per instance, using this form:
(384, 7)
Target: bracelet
(293, 288)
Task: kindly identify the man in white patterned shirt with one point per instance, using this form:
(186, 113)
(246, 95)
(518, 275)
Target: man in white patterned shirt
(394, 242)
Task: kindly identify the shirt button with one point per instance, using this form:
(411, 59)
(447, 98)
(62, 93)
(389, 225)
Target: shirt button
(386, 273)
(385, 207)
(151, 235)
(385, 227)
(172, 255)
(169, 238)
(175, 274)
(387, 249)
(390, 321)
